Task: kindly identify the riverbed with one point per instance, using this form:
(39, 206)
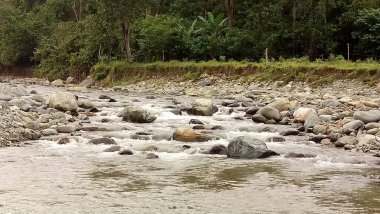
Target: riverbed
(44, 177)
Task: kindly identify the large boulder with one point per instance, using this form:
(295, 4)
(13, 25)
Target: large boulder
(301, 114)
(270, 113)
(367, 116)
(248, 148)
(63, 101)
(136, 115)
(281, 104)
(189, 135)
(203, 107)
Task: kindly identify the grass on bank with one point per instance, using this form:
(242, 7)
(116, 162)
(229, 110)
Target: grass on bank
(316, 72)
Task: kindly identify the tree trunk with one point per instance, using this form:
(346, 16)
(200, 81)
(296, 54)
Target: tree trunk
(230, 11)
(127, 38)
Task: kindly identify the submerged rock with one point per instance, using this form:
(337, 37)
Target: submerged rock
(112, 149)
(126, 152)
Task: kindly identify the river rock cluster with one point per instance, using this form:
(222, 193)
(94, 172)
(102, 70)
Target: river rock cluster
(344, 115)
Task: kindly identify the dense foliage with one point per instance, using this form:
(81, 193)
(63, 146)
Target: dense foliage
(67, 37)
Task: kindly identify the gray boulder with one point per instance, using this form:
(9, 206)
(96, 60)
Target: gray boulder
(203, 107)
(346, 140)
(63, 101)
(66, 129)
(136, 115)
(367, 116)
(312, 120)
(248, 148)
(270, 113)
(353, 125)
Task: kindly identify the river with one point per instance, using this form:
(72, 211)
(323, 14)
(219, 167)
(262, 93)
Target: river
(45, 177)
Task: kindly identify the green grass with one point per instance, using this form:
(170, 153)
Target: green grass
(316, 72)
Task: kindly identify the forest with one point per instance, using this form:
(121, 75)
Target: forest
(64, 37)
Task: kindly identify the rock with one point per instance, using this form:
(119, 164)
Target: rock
(5, 98)
(189, 135)
(367, 116)
(176, 112)
(196, 121)
(126, 152)
(88, 82)
(326, 142)
(218, 150)
(203, 107)
(281, 104)
(33, 92)
(63, 101)
(38, 98)
(277, 139)
(69, 80)
(136, 115)
(368, 142)
(270, 113)
(372, 126)
(104, 97)
(299, 155)
(333, 103)
(353, 125)
(217, 127)
(14, 91)
(247, 148)
(86, 104)
(58, 83)
(312, 120)
(301, 114)
(106, 141)
(373, 131)
(66, 129)
(32, 125)
(63, 141)
(112, 101)
(49, 132)
(258, 118)
(112, 149)
(252, 110)
(346, 140)
(151, 156)
(317, 138)
(289, 133)
(205, 83)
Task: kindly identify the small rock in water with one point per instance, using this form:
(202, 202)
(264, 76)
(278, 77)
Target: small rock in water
(104, 97)
(299, 155)
(126, 152)
(289, 133)
(196, 121)
(112, 101)
(107, 141)
(63, 141)
(218, 150)
(112, 149)
(151, 156)
(66, 129)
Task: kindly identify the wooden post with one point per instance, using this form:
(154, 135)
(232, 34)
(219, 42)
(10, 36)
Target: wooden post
(266, 55)
(163, 55)
(348, 51)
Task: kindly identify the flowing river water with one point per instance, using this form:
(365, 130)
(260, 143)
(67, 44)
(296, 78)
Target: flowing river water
(45, 177)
